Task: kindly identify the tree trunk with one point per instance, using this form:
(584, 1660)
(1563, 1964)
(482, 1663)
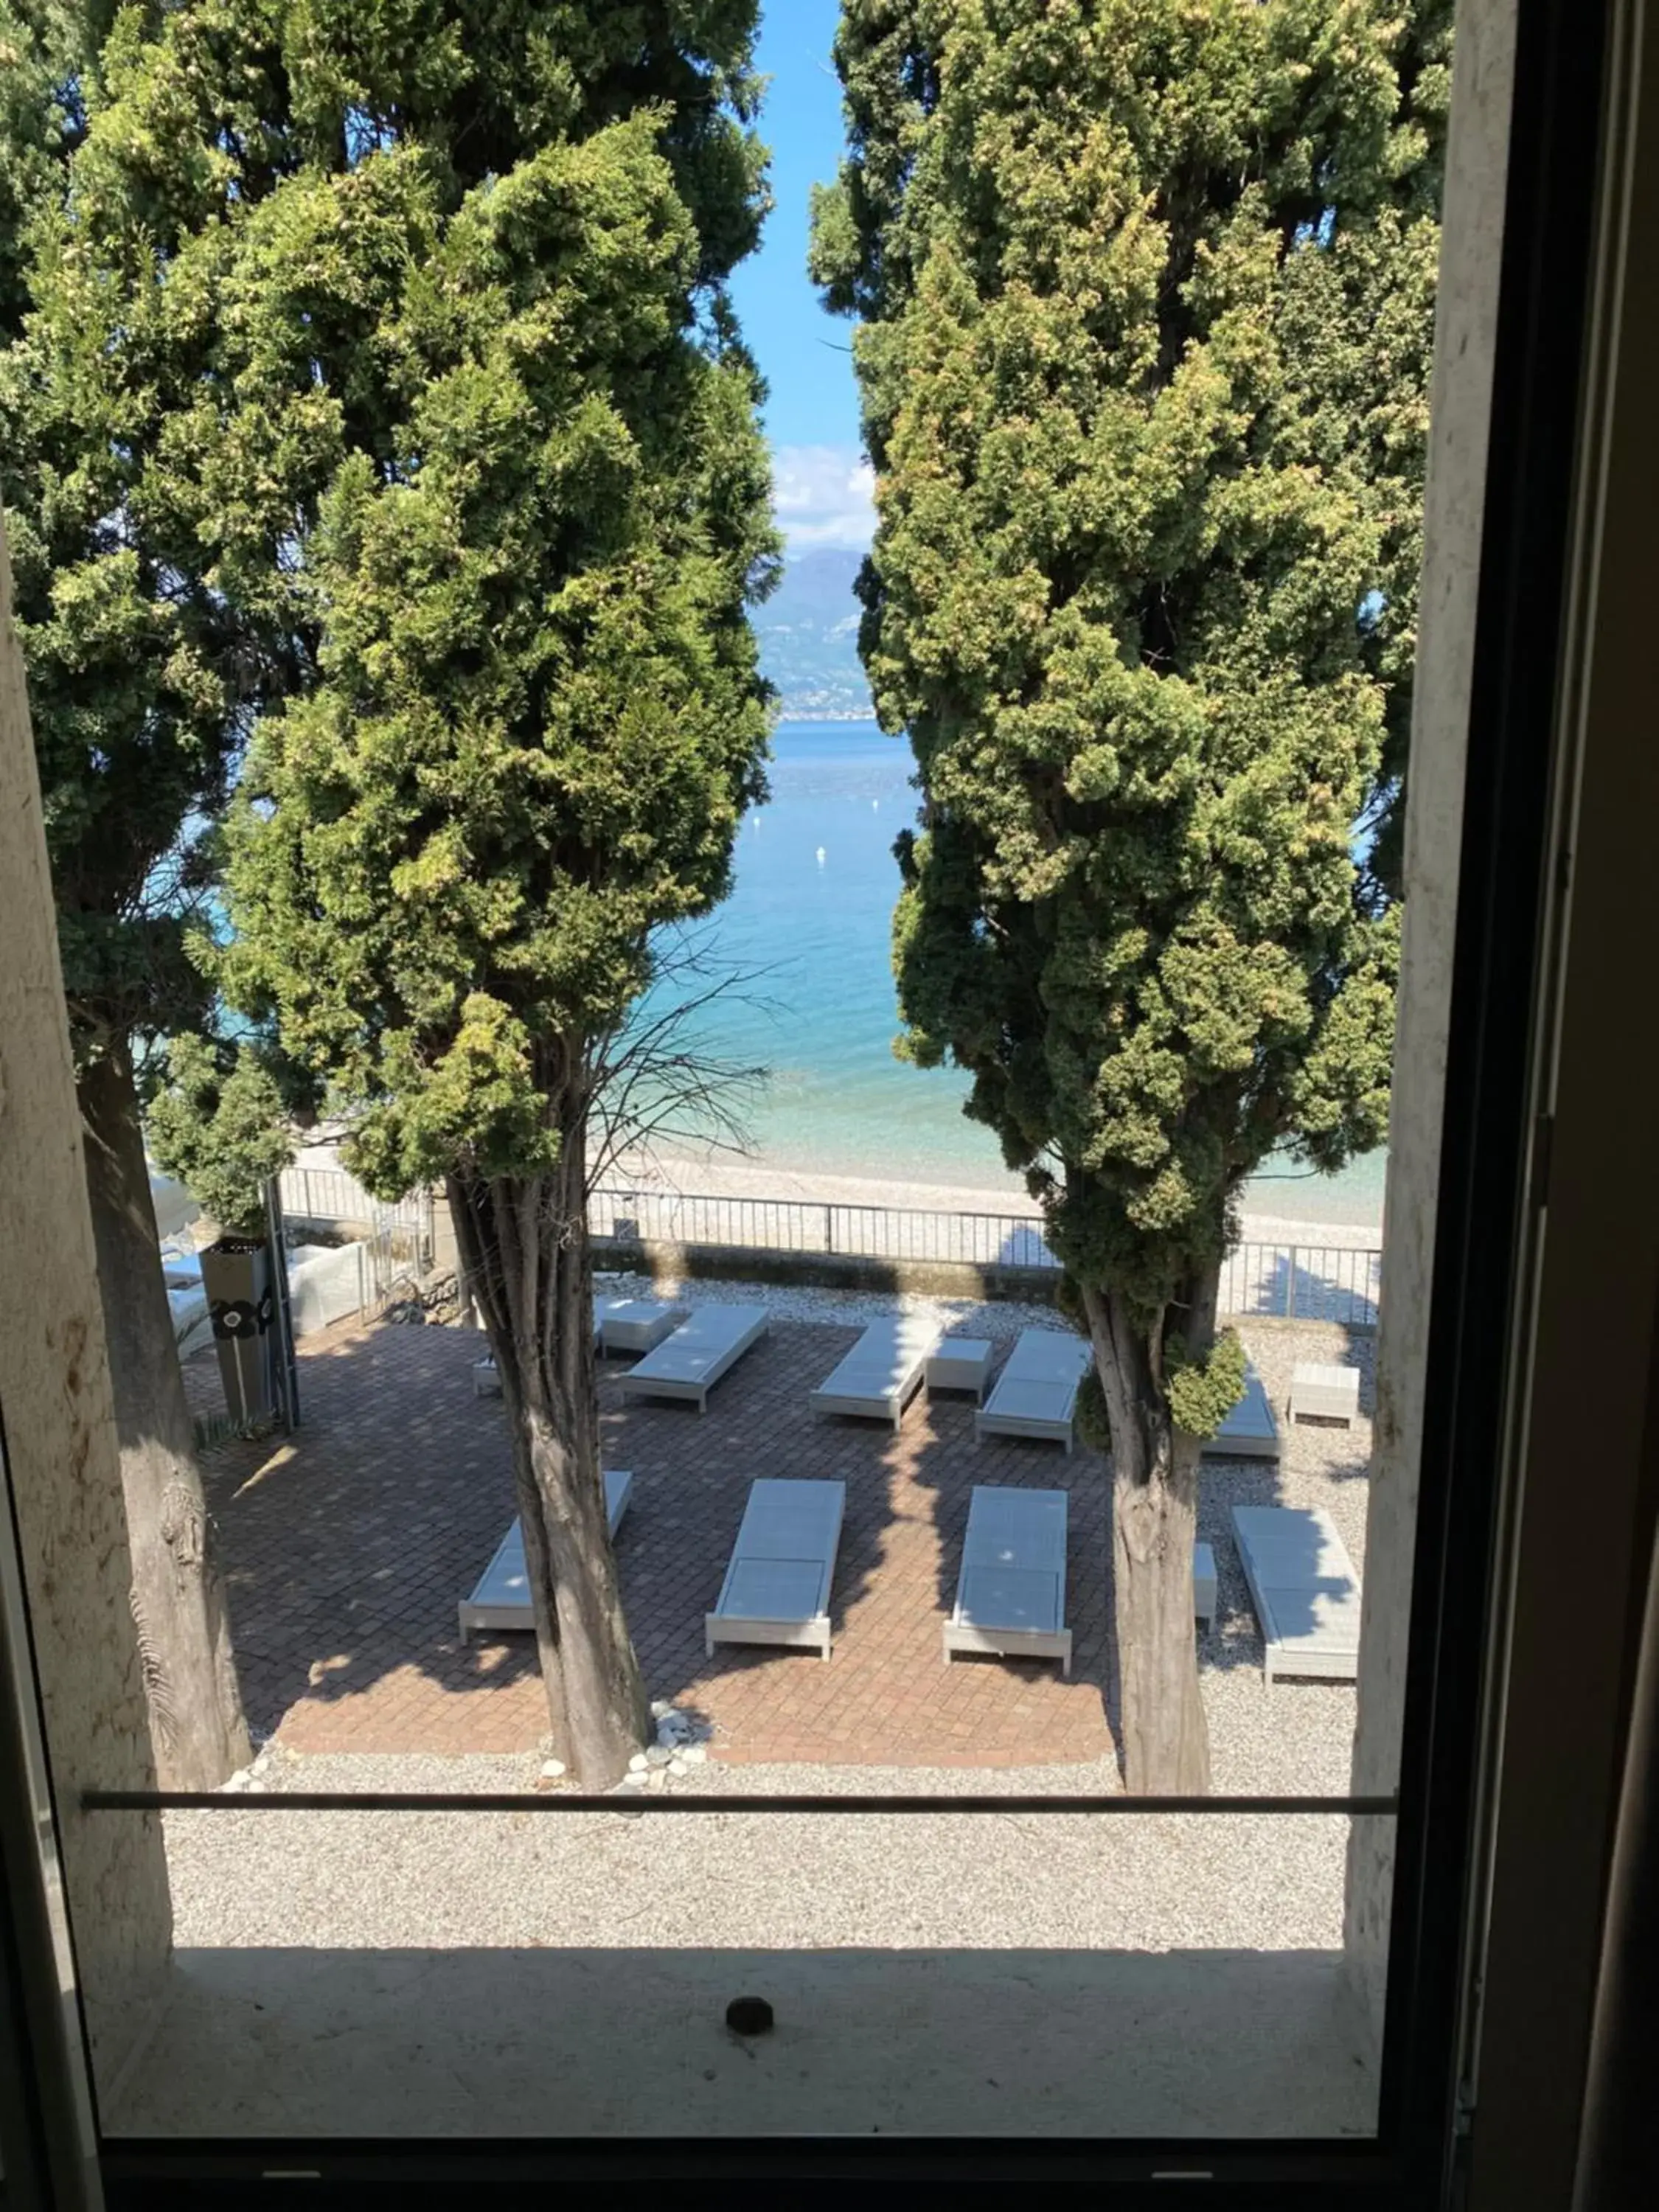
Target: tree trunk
(178, 1601)
(524, 1244)
(1166, 1744)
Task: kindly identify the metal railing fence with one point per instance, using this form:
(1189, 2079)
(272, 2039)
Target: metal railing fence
(332, 1198)
(1298, 1282)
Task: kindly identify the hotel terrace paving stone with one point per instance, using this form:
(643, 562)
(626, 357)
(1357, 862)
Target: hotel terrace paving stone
(347, 1547)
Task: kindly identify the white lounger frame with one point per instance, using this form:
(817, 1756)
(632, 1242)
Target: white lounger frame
(1250, 1431)
(688, 1364)
(778, 1580)
(1036, 1393)
(1011, 1591)
(502, 1596)
(1305, 1590)
(882, 1371)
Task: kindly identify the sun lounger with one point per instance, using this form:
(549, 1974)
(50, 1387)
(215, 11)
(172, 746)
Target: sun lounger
(1204, 1586)
(688, 1364)
(777, 1586)
(882, 1371)
(501, 1599)
(620, 1325)
(1036, 1393)
(1331, 1393)
(1305, 1590)
(1010, 1593)
(635, 1325)
(1249, 1432)
(187, 1297)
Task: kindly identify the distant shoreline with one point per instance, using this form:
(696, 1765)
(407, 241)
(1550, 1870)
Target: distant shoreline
(803, 715)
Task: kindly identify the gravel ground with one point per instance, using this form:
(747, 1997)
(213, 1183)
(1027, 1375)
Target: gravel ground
(983, 1881)
(1298, 1736)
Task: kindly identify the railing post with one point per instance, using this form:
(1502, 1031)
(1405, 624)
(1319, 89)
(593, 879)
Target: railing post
(1290, 1288)
(828, 1228)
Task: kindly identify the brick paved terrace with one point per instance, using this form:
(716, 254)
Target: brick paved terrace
(347, 1547)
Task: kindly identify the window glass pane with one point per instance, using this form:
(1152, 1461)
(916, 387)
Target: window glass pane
(542, 1172)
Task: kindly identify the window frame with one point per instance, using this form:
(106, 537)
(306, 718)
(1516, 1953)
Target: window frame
(1489, 1184)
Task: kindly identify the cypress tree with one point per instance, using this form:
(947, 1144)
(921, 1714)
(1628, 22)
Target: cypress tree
(122, 162)
(535, 715)
(1145, 290)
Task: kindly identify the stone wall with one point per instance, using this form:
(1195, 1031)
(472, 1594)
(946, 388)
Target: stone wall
(61, 1453)
(827, 1271)
(1465, 352)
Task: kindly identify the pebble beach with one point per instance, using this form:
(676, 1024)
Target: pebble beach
(740, 1175)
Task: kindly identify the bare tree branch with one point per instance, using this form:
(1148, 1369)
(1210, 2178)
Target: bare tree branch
(655, 1081)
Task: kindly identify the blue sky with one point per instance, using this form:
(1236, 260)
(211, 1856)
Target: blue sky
(822, 484)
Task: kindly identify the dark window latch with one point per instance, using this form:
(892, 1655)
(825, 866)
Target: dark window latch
(1542, 1145)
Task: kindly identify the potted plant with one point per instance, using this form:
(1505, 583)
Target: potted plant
(220, 1127)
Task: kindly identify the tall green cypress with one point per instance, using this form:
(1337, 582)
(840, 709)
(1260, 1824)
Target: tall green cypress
(1145, 290)
(535, 715)
(117, 153)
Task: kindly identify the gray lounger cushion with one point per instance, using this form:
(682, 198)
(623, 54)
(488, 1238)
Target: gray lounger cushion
(882, 1371)
(776, 1589)
(688, 1364)
(1305, 1590)
(620, 1325)
(502, 1598)
(1036, 1393)
(1249, 1432)
(1010, 1592)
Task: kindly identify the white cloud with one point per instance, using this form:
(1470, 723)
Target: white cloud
(824, 495)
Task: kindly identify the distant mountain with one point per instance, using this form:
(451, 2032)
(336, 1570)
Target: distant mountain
(809, 639)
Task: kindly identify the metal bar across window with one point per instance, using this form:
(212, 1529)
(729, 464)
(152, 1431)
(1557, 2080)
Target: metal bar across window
(436, 1801)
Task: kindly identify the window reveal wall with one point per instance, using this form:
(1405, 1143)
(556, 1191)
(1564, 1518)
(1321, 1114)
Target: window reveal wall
(1466, 334)
(59, 1428)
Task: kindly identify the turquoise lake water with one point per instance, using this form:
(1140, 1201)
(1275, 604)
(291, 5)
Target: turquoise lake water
(808, 923)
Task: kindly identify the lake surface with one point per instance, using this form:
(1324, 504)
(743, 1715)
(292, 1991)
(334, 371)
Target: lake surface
(808, 927)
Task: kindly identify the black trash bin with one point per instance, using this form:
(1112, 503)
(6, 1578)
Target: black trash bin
(240, 1280)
